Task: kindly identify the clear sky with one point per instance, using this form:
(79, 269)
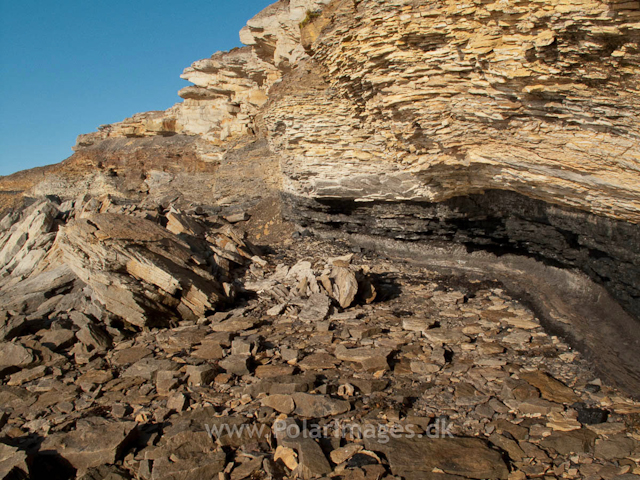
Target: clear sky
(68, 66)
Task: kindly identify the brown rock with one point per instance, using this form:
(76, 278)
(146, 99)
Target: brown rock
(201, 374)
(318, 361)
(15, 355)
(280, 403)
(236, 364)
(318, 406)
(58, 339)
(550, 388)
(615, 447)
(316, 308)
(93, 336)
(345, 286)
(94, 442)
(129, 355)
(13, 464)
(467, 457)
(269, 371)
(235, 324)
(567, 443)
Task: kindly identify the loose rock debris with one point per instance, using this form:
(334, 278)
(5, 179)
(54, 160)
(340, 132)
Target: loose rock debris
(164, 345)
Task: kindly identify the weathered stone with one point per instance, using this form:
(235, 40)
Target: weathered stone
(131, 250)
(177, 402)
(236, 364)
(311, 459)
(130, 355)
(180, 339)
(27, 375)
(58, 339)
(269, 371)
(280, 403)
(614, 447)
(316, 308)
(343, 454)
(566, 443)
(508, 445)
(445, 337)
(94, 442)
(15, 355)
(201, 374)
(287, 455)
(371, 359)
(209, 350)
(368, 386)
(467, 457)
(235, 324)
(550, 388)
(318, 361)
(345, 286)
(318, 406)
(147, 368)
(106, 472)
(95, 337)
(166, 381)
(13, 464)
(417, 324)
(192, 456)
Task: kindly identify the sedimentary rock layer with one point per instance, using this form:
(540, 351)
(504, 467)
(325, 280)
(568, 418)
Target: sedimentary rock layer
(509, 127)
(408, 100)
(501, 222)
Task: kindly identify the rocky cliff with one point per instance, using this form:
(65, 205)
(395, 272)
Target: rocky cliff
(482, 160)
(509, 126)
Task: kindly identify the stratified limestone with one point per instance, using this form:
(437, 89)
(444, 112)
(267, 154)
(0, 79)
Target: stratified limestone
(508, 127)
(432, 100)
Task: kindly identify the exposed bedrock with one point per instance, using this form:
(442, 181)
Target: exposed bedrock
(505, 134)
(607, 250)
(507, 127)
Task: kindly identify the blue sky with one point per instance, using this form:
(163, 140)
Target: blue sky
(68, 66)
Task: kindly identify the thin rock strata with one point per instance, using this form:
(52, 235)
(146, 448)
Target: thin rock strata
(508, 127)
(462, 182)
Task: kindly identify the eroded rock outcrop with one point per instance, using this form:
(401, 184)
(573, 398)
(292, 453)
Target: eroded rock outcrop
(115, 259)
(509, 127)
(140, 329)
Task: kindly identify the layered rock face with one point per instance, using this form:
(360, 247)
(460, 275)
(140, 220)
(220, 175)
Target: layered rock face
(503, 127)
(230, 87)
(421, 117)
(488, 149)
(438, 99)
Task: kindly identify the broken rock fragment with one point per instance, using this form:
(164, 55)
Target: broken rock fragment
(318, 406)
(13, 463)
(15, 355)
(465, 457)
(316, 308)
(345, 286)
(92, 443)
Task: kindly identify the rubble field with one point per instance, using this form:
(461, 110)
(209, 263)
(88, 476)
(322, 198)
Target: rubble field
(163, 344)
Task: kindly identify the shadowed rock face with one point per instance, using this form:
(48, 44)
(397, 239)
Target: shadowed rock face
(500, 222)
